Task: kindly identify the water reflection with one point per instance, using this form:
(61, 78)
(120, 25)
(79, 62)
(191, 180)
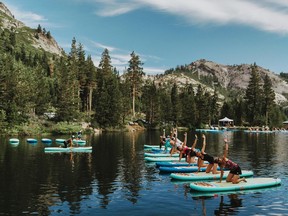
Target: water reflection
(115, 179)
(228, 205)
(122, 169)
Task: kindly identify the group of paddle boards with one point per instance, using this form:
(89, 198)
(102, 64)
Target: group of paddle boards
(202, 181)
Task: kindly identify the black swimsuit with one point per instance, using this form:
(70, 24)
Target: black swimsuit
(208, 158)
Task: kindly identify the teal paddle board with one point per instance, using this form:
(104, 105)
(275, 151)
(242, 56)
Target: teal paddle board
(159, 159)
(205, 176)
(148, 154)
(182, 169)
(252, 183)
(176, 163)
(68, 149)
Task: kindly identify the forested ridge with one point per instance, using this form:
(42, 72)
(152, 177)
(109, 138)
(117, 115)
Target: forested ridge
(34, 82)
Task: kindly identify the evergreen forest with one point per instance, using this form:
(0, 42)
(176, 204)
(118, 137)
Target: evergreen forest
(34, 84)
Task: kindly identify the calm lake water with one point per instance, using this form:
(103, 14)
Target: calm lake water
(115, 179)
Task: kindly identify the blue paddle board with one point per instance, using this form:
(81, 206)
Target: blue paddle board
(252, 183)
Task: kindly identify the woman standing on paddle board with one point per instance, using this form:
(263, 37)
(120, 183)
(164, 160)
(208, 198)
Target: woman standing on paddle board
(235, 170)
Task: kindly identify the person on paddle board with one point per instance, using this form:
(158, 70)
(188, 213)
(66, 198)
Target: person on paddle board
(69, 142)
(162, 140)
(189, 153)
(175, 142)
(203, 156)
(79, 135)
(235, 170)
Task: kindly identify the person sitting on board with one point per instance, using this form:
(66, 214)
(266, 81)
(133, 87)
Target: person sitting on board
(162, 140)
(69, 141)
(203, 156)
(235, 170)
(189, 153)
(167, 143)
(79, 135)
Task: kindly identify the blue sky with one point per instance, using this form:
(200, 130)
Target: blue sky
(166, 33)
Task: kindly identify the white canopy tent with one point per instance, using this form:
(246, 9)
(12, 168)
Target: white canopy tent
(226, 121)
(285, 123)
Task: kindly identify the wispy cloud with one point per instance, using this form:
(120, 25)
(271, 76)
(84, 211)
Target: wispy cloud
(120, 58)
(102, 46)
(29, 18)
(265, 15)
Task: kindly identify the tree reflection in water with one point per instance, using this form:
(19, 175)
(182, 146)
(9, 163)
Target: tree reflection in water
(225, 208)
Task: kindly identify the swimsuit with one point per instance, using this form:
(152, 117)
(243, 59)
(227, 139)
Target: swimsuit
(233, 167)
(209, 158)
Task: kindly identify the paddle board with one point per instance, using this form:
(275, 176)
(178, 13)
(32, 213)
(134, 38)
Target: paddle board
(158, 159)
(176, 163)
(46, 140)
(155, 147)
(148, 154)
(68, 149)
(173, 163)
(151, 146)
(14, 141)
(59, 141)
(241, 192)
(205, 176)
(252, 183)
(31, 140)
(181, 169)
(79, 142)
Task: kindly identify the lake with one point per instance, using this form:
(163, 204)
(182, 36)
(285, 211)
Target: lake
(115, 179)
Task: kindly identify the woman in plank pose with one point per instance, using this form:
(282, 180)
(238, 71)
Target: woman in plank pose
(189, 153)
(175, 142)
(235, 170)
(69, 142)
(162, 140)
(203, 156)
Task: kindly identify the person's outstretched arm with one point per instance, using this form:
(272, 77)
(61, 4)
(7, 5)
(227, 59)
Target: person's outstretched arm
(195, 142)
(204, 144)
(226, 148)
(185, 139)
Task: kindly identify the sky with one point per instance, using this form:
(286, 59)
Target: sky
(166, 33)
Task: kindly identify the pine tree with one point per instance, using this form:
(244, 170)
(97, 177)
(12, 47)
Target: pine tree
(201, 103)
(39, 29)
(82, 77)
(66, 104)
(188, 106)
(134, 75)
(165, 105)
(214, 107)
(107, 101)
(90, 84)
(253, 97)
(175, 104)
(150, 100)
(269, 97)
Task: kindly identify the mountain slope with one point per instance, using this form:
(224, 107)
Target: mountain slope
(8, 22)
(208, 73)
(229, 78)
